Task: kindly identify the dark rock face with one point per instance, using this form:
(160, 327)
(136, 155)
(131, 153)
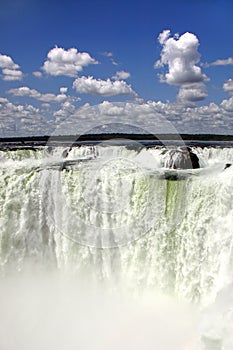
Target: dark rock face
(181, 158)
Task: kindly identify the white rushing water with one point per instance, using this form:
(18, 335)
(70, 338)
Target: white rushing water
(109, 218)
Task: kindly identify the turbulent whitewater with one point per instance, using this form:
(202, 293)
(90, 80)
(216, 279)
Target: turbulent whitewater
(113, 215)
(110, 212)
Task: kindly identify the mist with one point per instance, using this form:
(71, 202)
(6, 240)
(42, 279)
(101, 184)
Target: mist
(51, 310)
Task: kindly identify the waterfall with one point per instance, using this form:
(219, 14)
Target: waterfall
(110, 211)
(113, 216)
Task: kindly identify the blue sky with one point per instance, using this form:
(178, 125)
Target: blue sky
(158, 59)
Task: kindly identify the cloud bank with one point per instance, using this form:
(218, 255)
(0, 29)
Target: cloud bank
(17, 119)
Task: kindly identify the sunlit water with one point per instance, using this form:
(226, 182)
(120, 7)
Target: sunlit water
(103, 250)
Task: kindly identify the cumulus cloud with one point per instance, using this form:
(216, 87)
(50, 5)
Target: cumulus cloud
(66, 62)
(11, 74)
(7, 62)
(154, 116)
(192, 92)
(110, 109)
(181, 55)
(228, 86)
(227, 105)
(25, 91)
(19, 111)
(121, 75)
(162, 38)
(66, 111)
(10, 70)
(89, 85)
(18, 119)
(3, 100)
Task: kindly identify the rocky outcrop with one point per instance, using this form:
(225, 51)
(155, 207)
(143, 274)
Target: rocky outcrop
(181, 158)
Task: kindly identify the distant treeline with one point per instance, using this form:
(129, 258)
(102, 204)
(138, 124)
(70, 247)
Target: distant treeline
(103, 137)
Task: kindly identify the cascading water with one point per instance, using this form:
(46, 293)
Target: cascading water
(113, 215)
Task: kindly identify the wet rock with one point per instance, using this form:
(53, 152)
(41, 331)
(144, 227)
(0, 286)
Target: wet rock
(181, 158)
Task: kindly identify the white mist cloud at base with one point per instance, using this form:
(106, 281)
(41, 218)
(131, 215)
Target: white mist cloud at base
(51, 311)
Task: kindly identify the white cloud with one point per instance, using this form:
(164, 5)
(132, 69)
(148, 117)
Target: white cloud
(53, 98)
(162, 38)
(66, 111)
(11, 74)
(63, 90)
(3, 100)
(66, 62)
(153, 116)
(110, 56)
(18, 111)
(192, 92)
(227, 105)
(7, 62)
(221, 62)
(21, 110)
(181, 56)
(10, 70)
(22, 120)
(114, 62)
(46, 105)
(228, 86)
(26, 91)
(110, 109)
(89, 85)
(121, 75)
(107, 54)
(37, 74)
